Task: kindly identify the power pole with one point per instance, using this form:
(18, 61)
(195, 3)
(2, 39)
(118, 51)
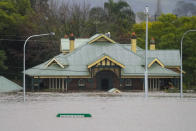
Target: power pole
(146, 53)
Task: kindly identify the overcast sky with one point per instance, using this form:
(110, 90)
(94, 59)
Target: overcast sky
(137, 5)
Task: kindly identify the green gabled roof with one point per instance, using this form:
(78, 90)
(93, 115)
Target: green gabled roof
(79, 71)
(77, 42)
(8, 86)
(101, 56)
(150, 59)
(79, 59)
(97, 58)
(133, 70)
(76, 63)
(61, 59)
(128, 46)
(168, 57)
(157, 70)
(88, 53)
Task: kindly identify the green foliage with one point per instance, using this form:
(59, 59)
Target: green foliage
(10, 20)
(13, 14)
(168, 31)
(23, 6)
(116, 17)
(7, 14)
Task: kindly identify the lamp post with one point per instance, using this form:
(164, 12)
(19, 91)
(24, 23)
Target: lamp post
(181, 77)
(146, 53)
(24, 89)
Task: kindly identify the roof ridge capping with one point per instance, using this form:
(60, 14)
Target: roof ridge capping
(165, 69)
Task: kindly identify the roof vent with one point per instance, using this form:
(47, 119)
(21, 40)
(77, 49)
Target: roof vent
(108, 34)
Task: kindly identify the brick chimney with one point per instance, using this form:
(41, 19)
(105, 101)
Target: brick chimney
(71, 42)
(133, 42)
(152, 44)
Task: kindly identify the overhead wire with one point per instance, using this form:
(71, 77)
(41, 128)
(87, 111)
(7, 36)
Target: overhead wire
(24, 40)
(20, 67)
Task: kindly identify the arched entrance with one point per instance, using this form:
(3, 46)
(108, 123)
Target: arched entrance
(106, 80)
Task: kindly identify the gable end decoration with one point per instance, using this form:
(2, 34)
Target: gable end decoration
(103, 58)
(158, 61)
(101, 36)
(54, 60)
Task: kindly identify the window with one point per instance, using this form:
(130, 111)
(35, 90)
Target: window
(128, 82)
(81, 82)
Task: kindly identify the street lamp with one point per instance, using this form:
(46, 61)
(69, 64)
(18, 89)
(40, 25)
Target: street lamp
(52, 33)
(146, 54)
(181, 78)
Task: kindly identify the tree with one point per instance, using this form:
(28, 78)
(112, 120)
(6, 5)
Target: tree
(168, 31)
(96, 17)
(120, 16)
(14, 28)
(12, 15)
(116, 17)
(40, 5)
(142, 17)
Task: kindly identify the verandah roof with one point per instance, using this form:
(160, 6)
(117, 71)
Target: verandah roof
(8, 86)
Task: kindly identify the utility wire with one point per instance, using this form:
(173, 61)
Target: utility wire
(9, 35)
(20, 67)
(24, 40)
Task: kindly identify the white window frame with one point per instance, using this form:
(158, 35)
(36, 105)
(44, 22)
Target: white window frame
(81, 82)
(128, 82)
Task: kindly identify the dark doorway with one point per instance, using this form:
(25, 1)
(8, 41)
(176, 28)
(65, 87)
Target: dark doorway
(105, 84)
(106, 80)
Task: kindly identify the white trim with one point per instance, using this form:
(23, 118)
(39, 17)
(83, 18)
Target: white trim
(54, 60)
